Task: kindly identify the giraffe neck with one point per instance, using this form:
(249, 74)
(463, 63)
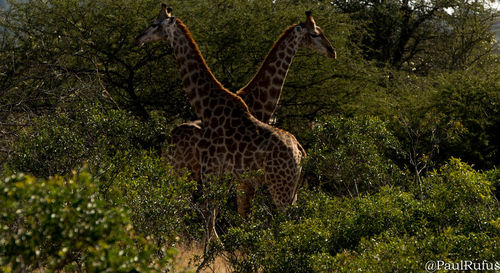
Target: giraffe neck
(263, 92)
(203, 90)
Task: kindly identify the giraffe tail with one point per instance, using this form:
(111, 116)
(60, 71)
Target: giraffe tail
(301, 175)
(302, 150)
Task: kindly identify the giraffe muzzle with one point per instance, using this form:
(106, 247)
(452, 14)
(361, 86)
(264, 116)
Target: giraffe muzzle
(137, 42)
(331, 52)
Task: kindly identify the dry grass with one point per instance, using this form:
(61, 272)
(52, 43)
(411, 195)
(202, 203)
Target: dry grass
(187, 255)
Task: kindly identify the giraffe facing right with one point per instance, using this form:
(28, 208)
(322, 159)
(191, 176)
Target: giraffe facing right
(233, 140)
(261, 94)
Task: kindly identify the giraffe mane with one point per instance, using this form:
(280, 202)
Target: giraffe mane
(244, 90)
(197, 51)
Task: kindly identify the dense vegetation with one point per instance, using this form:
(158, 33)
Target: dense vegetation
(402, 132)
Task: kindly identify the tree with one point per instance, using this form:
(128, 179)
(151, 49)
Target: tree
(404, 33)
(58, 52)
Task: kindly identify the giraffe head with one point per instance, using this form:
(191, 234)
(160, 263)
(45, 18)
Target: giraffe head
(314, 38)
(160, 29)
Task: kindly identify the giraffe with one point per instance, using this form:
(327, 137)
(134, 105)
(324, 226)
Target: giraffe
(263, 91)
(233, 141)
(261, 94)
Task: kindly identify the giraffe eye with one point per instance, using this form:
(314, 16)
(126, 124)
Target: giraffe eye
(154, 24)
(314, 35)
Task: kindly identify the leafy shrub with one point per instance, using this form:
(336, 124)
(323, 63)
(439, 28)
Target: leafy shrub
(319, 226)
(391, 230)
(460, 197)
(58, 143)
(59, 224)
(494, 176)
(114, 144)
(389, 252)
(434, 118)
(47, 148)
(475, 104)
(159, 201)
(350, 156)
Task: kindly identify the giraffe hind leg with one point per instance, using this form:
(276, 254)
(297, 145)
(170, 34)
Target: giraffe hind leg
(283, 189)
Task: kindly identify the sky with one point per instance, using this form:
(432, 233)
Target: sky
(496, 5)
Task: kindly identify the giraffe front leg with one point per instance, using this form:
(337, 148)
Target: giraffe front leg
(212, 233)
(209, 180)
(245, 194)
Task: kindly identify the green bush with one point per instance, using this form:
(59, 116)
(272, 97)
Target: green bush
(319, 226)
(159, 201)
(389, 231)
(60, 224)
(458, 196)
(350, 156)
(114, 145)
(48, 148)
(58, 143)
(494, 176)
(389, 252)
(475, 104)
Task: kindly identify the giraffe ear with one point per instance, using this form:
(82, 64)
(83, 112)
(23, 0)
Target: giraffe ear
(165, 12)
